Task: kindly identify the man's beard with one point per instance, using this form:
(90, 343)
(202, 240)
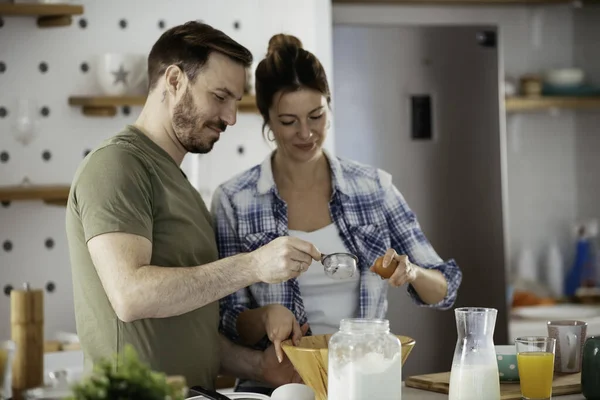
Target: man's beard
(187, 125)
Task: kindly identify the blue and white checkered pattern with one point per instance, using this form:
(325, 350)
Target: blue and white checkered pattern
(369, 212)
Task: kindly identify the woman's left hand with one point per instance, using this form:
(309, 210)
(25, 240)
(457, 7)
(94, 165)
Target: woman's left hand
(406, 272)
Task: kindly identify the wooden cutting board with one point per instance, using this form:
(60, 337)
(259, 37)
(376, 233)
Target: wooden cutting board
(562, 385)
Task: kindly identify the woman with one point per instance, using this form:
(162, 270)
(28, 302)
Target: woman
(336, 204)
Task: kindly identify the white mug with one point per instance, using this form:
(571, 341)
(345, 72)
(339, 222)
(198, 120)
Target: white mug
(293, 391)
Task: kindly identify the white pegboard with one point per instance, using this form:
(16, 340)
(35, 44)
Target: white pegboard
(66, 133)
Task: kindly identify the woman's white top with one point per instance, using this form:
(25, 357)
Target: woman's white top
(327, 301)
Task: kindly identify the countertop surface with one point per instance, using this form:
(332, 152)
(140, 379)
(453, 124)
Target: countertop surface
(417, 394)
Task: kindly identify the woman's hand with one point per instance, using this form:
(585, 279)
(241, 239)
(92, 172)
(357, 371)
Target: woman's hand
(280, 323)
(430, 284)
(405, 272)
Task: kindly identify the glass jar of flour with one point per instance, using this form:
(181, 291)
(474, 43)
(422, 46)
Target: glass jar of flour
(365, 361)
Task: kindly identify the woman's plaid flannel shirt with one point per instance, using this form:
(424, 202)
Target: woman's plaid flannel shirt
(369, 212)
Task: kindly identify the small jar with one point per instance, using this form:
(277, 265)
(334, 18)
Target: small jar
(365, 361)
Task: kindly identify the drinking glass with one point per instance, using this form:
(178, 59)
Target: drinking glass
(7, 351)
(535, 358)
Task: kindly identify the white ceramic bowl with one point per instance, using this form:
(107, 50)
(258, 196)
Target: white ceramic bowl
(121, 74)
(293, 391)
(565, 77)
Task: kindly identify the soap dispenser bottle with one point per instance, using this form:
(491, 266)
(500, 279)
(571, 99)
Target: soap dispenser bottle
(583, 271)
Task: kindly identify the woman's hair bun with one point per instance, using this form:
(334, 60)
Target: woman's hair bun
(282, 41)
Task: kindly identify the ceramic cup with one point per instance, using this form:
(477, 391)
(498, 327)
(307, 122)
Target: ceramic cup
(508, 367)
(570, 337)
(121, 74)
(293, 391)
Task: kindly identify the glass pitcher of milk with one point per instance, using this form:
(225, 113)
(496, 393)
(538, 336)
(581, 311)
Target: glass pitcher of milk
(474, 374)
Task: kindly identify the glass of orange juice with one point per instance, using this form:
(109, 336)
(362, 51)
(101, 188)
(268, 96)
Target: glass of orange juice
(535, 358)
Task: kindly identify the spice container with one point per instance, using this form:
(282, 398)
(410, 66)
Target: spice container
(364, 362)
(27, 331)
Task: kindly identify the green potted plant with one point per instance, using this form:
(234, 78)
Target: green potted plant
(133, 380)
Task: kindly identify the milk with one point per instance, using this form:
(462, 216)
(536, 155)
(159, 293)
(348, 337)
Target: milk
(371, 377)
(474, 382)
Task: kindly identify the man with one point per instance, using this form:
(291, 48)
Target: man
(142, 247)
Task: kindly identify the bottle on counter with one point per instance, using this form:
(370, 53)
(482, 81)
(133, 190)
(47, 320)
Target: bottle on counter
(583, 273)
(555, 273)
(474, 374)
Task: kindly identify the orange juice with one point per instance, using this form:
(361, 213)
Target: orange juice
(536, 370)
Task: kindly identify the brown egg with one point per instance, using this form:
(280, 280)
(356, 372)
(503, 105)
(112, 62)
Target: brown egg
(385, 273)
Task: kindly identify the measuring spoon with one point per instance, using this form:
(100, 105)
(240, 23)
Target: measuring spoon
(339, 265)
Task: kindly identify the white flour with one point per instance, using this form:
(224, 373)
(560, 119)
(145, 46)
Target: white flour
(372, 377)
(474, 382)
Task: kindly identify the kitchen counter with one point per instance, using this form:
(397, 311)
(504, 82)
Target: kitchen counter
(73, 361)
(417, 394)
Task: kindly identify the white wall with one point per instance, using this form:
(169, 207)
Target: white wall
(66, 133)
(541, 187)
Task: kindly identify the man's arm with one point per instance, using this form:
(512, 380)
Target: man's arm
(255, 365)
(138, 290)
(239, 361)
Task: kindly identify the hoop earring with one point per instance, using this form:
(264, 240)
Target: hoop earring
(270, 136)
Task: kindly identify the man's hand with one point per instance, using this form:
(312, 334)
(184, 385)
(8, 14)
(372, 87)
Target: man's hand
(277, 373)
(283, 258)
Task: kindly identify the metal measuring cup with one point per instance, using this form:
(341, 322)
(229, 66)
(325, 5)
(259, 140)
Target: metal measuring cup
(339, 265)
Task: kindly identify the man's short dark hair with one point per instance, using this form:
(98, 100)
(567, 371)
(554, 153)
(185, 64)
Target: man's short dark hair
(188, 46)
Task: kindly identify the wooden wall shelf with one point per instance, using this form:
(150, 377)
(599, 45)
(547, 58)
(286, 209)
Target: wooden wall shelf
(50, 194)
(523, 104)
(106, 106)
(48, 15)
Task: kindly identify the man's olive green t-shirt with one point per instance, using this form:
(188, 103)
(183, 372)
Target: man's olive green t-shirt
(130, 184)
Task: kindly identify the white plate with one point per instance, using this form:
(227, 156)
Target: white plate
(235, 396)
(557, 312)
